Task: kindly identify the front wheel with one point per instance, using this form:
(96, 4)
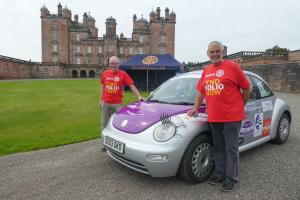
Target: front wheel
(283, 129)
(197, 163)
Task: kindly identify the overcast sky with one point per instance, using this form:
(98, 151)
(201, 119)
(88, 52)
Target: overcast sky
(252, 25)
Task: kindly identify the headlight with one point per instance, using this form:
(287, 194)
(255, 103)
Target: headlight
(164, 132)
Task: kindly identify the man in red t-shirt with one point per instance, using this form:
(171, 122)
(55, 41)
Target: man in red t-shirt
(113, 81)
(226, 89)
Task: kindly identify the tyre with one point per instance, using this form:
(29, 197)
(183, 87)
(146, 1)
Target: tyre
(283, 129)
(197, 162)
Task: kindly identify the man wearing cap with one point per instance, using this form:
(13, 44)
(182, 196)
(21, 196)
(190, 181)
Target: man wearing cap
(113, 81)
(226, 89)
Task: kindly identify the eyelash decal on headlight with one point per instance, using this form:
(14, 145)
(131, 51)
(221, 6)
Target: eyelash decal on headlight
(165, 118)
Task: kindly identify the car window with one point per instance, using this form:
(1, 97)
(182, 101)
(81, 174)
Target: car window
(177, 91)
(253, 94)
(262, 88)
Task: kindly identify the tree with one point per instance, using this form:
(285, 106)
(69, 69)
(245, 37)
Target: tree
(276, 50)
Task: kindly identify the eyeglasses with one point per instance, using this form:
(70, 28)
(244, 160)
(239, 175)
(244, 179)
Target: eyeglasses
(114, 63)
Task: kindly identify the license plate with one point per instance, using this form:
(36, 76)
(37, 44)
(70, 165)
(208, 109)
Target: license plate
(113, 144)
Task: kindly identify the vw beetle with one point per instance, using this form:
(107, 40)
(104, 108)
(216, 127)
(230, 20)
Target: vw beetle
(156, 137)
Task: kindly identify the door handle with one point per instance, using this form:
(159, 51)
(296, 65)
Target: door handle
(259, 108)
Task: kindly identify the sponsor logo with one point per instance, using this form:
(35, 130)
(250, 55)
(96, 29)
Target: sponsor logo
(267, 105)
(116, 79)
(258, 124)
(213, 87)
(266, 128)
(220, 73)
(209, 75)
(150, 60)
(124, 123)
(247, 127)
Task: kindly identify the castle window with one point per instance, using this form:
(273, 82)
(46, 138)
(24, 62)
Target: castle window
(54, 47)
(99, 49)
(54, 59)
(78, 49)
(54, 35)
(89, 59)
(77, 60)
(141, 39)
(110, 48)
(163, 39)
(121, 50)
(141, 50)
(78, 37)
(101, 60)
(130, 50)
(162, 27)
(89, 49)
(162, 50)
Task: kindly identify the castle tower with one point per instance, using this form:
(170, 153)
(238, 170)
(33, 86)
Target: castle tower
(111, 26)
(162, 31)
(55, 34)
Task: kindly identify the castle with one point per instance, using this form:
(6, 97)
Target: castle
(69, 41)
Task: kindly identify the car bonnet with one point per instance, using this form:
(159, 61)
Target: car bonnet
(136, 117)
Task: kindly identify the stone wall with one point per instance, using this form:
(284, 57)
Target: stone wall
(283, 77)
(12, 68)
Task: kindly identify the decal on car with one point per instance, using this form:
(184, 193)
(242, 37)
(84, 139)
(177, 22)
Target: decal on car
(247, 127)
(258, 118)
(266, 127)
(267, 105)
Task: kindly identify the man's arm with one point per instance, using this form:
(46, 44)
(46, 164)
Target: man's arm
(198, 102)
(246, 94)
(136, 92)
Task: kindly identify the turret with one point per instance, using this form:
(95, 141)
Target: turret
(172, 16)
(85, 19)
(59, 10)
(167, 14)
(76, 18)
(44, 11)
(152, 16)
(158, 13)
(111, 27)
(67, 13)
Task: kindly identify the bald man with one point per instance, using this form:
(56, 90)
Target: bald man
(113, 81)
(226, 89)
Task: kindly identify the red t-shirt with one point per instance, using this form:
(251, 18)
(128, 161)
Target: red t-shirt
(113, 85)
(221, 86)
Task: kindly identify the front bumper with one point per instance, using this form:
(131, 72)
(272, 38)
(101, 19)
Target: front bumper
(142, 153)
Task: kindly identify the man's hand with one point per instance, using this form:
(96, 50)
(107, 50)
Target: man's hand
(194, 112)
(141, 98)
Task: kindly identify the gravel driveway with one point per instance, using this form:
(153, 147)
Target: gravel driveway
(81, 171)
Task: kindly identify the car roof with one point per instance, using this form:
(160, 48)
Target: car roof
(198, 73)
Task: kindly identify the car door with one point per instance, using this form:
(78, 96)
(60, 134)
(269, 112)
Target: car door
(265, 104)
(247, 126)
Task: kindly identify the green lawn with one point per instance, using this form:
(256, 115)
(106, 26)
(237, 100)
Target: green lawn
(38, 114)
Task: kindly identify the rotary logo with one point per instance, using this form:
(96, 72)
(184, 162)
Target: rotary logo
(150, 60)
(220, 73)
(116, 79)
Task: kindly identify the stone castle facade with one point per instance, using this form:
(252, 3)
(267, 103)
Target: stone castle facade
(66, 40)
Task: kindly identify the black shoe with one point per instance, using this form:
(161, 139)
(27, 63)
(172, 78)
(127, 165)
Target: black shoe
(103, 149)
(216, 180)
(228, 187)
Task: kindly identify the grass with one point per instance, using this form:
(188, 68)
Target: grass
(39, 114)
